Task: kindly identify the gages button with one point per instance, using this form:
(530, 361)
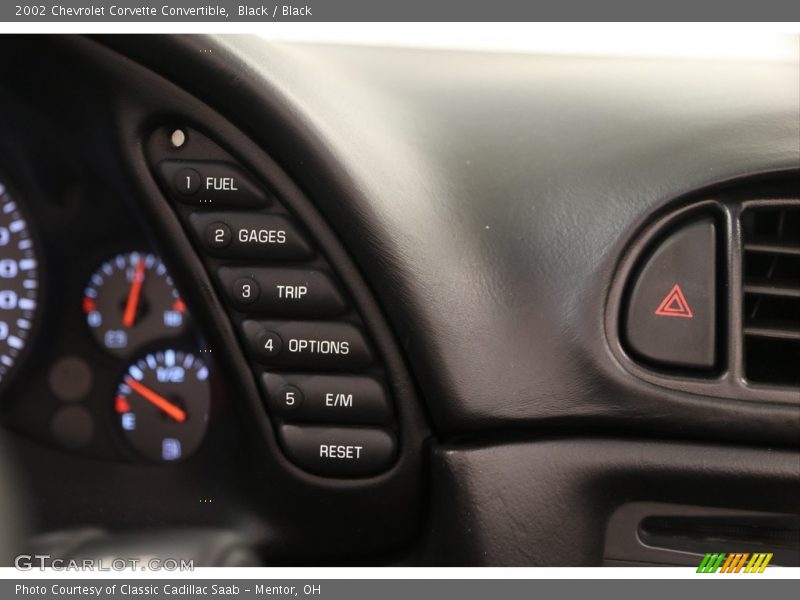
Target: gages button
(253, 236)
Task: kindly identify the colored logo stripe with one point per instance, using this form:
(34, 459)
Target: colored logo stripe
(758, 563)
(711, 563)
(734, 563)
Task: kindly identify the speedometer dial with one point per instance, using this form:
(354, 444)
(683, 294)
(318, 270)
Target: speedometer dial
(18, 282)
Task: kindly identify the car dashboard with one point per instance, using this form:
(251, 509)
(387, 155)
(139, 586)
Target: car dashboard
(345, 305)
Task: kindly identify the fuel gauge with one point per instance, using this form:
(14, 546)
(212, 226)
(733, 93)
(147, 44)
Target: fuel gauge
(130, 301)
(162, 404)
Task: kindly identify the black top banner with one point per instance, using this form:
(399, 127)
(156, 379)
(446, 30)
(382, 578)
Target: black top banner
(104, 11)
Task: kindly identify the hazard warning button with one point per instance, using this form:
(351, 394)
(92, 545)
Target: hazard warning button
(670, 317)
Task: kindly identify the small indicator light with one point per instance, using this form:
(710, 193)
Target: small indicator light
(178, 138)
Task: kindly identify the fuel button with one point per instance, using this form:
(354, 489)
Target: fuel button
(211, 184)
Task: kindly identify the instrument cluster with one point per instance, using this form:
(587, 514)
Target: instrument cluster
(132, 378)
(161, 404)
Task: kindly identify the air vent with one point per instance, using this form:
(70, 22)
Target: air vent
(772, 294)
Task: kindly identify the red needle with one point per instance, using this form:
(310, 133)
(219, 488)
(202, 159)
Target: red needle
(168, 407)
(129, 317)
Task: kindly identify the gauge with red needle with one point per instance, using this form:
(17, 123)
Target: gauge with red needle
(162, 404)
(130, 301)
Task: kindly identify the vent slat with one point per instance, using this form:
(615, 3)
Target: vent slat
(768, 289)
(773, 332)
(772, 248)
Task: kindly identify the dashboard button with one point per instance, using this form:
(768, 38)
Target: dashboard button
(212, 184)
(307, 344)
(339, 451)
(327, 398)
(245, 290)
(253, 236)
(218, 235)
(671, 313)
(187, 181)
(269, 344)
(286, 292)
(288, 398)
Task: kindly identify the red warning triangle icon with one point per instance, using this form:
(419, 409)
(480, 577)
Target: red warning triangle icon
(674, 304)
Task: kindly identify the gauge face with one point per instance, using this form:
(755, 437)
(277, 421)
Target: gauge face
(162, 404)
(18, 283)
(130, 301)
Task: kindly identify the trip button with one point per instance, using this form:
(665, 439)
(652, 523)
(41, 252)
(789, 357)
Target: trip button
(671, 313)
(253, 236)
(327, 398)
(307, 344)
(285, 292)
(211, 184)
(339, 451)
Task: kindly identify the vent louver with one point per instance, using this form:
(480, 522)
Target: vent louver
(771, 237)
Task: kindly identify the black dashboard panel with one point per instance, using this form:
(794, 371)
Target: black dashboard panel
(540, 184)
(547, 502)
(470, 222)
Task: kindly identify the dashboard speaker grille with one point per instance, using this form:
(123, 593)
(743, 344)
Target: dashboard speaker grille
(772, 294)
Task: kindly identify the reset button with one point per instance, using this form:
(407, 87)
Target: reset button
(339, 451)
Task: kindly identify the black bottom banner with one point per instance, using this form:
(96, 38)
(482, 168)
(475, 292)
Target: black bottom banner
(732, 588)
